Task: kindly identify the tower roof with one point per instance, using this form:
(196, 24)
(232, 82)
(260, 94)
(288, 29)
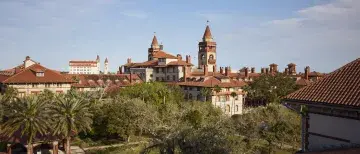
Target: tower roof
(97, 57)
(207, 34)
(106, 60)
(154, 41)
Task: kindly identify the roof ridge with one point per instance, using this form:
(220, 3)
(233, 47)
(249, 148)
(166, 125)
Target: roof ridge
(22, 71)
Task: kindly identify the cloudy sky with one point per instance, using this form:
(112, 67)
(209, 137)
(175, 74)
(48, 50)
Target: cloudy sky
(324, 34)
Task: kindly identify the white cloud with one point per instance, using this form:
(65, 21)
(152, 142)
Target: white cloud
(324, 36)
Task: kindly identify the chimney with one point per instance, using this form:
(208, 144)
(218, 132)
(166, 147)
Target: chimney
(130, 77)
(188, 59)
(286, 71)
(262, 70)
(120, 70)
(252, 69)
(214, 69)
(221, 70)
(227, 71)
(185, 73)
(129, 60)
(246, 72)
(205, 70)
(179, 57)
(267, 70)
(307, 71)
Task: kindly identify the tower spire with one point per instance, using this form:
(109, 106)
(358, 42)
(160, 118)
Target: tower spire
(207, 34)
(154, 43)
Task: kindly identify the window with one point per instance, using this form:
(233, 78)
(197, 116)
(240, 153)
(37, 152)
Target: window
(35, 85)
(227, 108)
(157, 70)
(190, 96)
(198, 97)
(185, 88)
(59, 85)
(40, 74)
(211, 57)
(227, 97)
(168, 77)
(202, 56)
(237, 108)
(47, 85)
(157, 78)
(174, 69)
(198, 88)
(174, 77)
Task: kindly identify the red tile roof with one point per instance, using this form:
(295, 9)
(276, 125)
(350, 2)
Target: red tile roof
(94, 80)
(303, 82)
(28, 75)
(212, 81)
(341, 87)
(163, 54)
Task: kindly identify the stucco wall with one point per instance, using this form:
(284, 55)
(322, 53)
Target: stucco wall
(347, 129)
(28, 89)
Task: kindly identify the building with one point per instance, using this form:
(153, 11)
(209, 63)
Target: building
(107, 82)
(330, 111)
(161, 66)
(88, 67)
(33, 78)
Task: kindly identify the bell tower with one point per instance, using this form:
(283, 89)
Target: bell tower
(154, 47)
(207, 50)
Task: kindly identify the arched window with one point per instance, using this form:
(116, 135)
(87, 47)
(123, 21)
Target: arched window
(237, 108)
(203, 56)
(190, 96)
(198, 97)
(211, 57)
(227, 108)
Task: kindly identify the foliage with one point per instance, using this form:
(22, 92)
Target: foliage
(205, 92)
(28, 116)
(126, 117)
(270, 87)
(70, 115)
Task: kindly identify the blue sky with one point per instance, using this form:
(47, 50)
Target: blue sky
(323, 34)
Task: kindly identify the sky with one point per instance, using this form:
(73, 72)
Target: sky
(322, 34)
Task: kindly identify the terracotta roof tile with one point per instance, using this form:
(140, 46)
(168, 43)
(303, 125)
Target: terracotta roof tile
(163, 54)
(303, 82)
(341, 87)
(112, 80)
(212, 81)
(28, 75)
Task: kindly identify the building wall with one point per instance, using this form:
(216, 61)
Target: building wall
(146, 74)
(228, 104)
(326, 131)
(29, 89)
(83, 69)
(167, 73)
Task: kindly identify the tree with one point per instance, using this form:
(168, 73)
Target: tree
(270, 87)
(29, 116)
(205, 92)
(125, 117)
(70, 115)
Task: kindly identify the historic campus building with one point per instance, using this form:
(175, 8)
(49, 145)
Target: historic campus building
(330, 112)
(32, 78)
(225, 84)
(88, 66)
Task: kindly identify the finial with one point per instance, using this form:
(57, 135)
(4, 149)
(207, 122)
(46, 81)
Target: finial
(207, 22)
(154, 33)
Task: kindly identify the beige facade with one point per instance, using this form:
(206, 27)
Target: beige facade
(35, 88)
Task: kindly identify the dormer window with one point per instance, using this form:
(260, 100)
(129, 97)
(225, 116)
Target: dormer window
(39, 74)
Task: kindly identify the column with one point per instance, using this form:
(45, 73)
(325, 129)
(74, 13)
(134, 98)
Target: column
(8, 149)
(55, 147)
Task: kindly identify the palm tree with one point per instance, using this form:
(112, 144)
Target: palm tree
(70, 116)
(233, 95)
(205, 92)
(29, 116)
